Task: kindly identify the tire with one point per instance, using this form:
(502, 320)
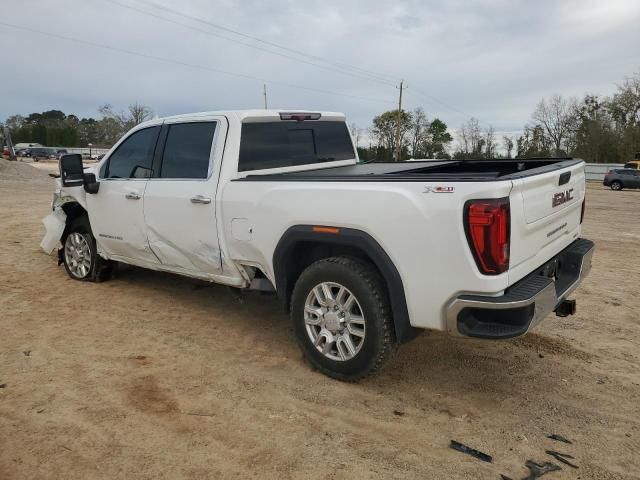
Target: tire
(616, 185)
(79, 253)
(366, 320)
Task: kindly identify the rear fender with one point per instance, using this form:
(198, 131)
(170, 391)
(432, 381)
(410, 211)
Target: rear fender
(286, 275)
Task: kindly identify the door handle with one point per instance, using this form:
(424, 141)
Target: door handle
(199, 199)
(132, 196)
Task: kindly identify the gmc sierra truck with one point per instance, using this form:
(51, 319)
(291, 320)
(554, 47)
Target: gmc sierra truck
(363, 256)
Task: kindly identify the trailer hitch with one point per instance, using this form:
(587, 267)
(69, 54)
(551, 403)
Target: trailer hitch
(566, 308)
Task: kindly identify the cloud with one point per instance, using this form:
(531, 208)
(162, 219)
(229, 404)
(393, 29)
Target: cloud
(491, 59)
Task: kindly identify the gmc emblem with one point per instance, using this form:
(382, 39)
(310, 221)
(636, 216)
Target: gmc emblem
(561, 197)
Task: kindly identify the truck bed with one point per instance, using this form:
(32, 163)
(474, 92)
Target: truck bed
(431, 170)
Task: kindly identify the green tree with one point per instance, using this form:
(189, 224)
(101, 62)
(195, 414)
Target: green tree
(384, 132)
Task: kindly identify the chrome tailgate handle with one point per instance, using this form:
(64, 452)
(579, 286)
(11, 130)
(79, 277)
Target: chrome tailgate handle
(199, 199)
(132, 196)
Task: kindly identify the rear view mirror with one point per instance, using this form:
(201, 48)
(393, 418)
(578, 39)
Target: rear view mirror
(71, 170)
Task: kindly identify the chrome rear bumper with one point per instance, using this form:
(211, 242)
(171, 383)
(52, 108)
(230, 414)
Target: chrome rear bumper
(525, 303)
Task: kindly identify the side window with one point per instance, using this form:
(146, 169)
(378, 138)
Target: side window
(630, 165)
(187, 150)
(134, 156)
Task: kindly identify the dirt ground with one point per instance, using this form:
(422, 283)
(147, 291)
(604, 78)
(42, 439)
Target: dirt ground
(156, 376)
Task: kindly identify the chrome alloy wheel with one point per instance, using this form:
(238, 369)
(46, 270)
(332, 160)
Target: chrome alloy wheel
(77, 255)
(334, 321)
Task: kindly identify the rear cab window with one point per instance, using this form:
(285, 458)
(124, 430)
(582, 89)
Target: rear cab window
(291, 143)
(187, 150)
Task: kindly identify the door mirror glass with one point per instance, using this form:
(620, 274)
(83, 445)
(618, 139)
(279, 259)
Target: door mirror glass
(71, 170)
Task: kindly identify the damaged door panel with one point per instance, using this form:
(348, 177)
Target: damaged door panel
(179, 203)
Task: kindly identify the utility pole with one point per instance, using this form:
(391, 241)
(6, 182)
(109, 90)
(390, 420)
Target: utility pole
(398, 149)
(264, 93)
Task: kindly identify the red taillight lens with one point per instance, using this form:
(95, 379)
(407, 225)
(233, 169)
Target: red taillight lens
(487, 224)
(584, 204)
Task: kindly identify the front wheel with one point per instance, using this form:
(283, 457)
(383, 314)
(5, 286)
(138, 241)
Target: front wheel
(615, 185)
(341, 318)
(80, 256)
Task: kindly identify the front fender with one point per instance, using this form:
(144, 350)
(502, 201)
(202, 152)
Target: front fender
(54, 225)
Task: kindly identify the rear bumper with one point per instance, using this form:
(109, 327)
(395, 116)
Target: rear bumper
(525, 303)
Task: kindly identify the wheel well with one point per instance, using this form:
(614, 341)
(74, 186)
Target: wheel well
(301, 246)
(73, 210)
(304, 253)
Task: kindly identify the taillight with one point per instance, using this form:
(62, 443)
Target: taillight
(584, 203)
(487, 225)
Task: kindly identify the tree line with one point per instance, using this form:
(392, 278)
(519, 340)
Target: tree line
(55, 128)
(604, 129)
(599, 129)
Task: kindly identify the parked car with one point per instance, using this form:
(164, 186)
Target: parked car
(42, 152)
(24, 152)
(60, 152)
(620, 178)
(363, 256)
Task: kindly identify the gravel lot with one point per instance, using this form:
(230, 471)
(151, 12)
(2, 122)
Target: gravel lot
(156, 376)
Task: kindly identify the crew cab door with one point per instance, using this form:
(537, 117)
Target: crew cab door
(116, 211)
(179, 202)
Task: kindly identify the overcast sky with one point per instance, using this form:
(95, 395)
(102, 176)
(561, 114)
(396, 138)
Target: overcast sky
(492, 59)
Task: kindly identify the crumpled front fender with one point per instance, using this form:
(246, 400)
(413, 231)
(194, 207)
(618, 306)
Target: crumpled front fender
(54, 224)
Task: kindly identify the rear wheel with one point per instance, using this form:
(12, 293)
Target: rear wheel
(79, 254)
(342, 319)
(616, 185)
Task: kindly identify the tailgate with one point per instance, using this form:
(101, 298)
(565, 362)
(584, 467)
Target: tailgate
(545, 217)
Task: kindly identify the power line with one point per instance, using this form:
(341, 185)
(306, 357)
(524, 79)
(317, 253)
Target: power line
(185, 64)
(372, 76)
(381, 76)
(439, 102)
(256, 47)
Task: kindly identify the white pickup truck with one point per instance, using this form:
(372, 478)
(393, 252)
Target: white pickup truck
(362, 255)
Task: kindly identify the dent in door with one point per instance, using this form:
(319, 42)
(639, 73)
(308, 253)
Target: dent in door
(202, 258)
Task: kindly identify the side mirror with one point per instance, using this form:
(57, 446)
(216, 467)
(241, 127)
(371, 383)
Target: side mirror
(71, 170)
(91, 185)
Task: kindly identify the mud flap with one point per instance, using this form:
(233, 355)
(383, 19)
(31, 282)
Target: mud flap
(54, 224)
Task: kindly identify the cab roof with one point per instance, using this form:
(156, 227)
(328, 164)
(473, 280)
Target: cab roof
(250, 115)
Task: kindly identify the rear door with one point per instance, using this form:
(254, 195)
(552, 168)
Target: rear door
(116, 211)
(179, 202)
(545, 216)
